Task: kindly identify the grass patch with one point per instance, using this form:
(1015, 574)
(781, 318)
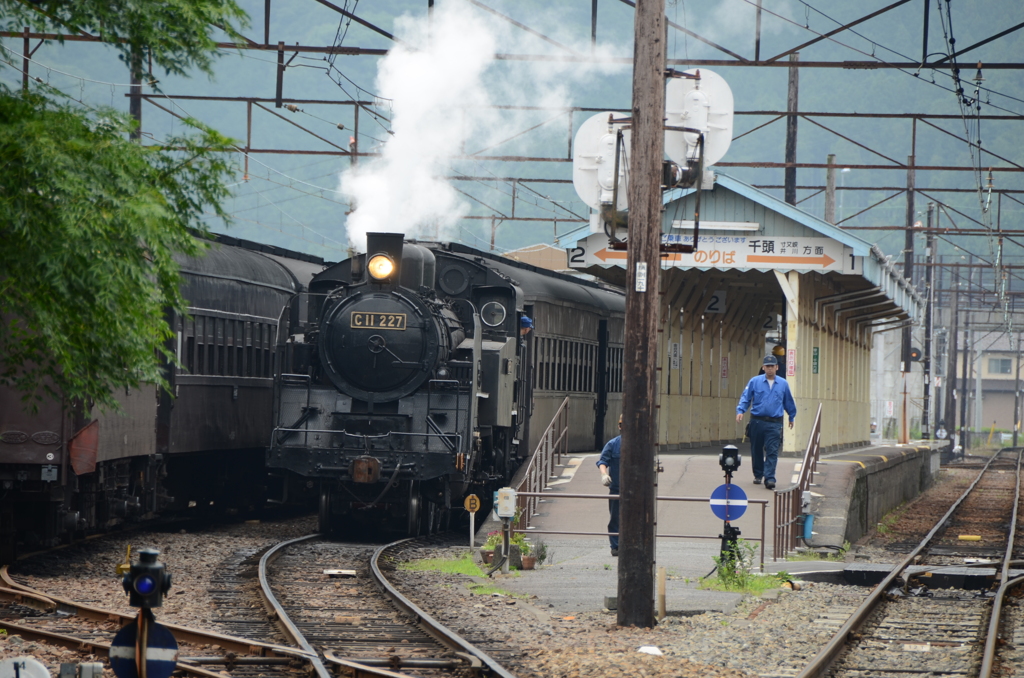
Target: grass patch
(461, 565)
(808, 555)
(754, 584)
(734, 572)
(488, 590)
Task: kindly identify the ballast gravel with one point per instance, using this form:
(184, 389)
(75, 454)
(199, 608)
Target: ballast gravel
(762, 636)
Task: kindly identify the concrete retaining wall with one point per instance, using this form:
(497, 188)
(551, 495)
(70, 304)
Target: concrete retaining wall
(861, 487)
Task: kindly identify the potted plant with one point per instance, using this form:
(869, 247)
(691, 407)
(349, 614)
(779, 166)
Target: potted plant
(540, 549)
(529, 561)
(493, 542)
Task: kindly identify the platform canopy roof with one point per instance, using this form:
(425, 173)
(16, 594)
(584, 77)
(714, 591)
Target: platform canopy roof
(744, 230)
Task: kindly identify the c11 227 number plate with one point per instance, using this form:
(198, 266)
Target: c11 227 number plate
(364, 320)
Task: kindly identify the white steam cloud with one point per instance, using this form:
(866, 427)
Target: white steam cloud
(442, 79)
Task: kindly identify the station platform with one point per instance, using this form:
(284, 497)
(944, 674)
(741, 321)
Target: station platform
(852, 490)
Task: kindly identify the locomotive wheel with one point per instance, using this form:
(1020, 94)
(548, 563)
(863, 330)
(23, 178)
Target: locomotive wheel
(325, 519)
(414, 510)
(431, 517)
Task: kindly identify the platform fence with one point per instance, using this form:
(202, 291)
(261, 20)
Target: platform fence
(537, 496)
(791, 502)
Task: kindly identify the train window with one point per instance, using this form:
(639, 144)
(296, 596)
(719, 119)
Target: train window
(211, 347)
(571, 366)
(576, 366)
(542, 363)
(248, 348)
(563, 365)
(223, 353)
(239, 370)
(227, 368)
(201, 345)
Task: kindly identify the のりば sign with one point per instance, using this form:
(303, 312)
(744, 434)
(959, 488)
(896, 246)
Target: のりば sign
(785, 253)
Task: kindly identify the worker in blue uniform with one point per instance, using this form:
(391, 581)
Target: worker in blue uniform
(767, 396)
(608, 464)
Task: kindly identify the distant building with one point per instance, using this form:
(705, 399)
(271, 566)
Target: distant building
(993, 361)
(542, 256)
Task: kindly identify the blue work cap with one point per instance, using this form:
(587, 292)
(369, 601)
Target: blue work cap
(525, 321)
(770, 360)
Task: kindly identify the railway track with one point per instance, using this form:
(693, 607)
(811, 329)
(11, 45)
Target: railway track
(904, 628)
(34, 615)
(335, 600)
(317, 620)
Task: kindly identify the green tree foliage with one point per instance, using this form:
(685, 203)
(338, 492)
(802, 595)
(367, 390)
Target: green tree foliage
(91, 222)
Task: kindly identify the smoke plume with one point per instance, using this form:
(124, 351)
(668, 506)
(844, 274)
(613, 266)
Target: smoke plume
(443, 79)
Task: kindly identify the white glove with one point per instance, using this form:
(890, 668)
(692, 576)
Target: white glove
(606, 480)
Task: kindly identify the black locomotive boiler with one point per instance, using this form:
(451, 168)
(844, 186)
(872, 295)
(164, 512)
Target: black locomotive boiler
(409, 385)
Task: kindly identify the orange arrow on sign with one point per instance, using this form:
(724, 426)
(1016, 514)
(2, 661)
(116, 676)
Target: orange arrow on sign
(823, 260)
(605, 255)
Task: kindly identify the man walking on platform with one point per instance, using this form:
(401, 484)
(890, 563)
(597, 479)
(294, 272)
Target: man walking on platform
(767, 395)
(608, 464)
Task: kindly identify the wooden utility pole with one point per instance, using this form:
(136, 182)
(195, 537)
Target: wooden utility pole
(1016, 393)
(929, 252)
(830, 189)
(639, 420)
(791, 107)
(908, 273)
(135, 94)
(965, 360)
(952, 344)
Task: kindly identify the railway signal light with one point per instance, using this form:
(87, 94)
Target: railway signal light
(729, 459)
(147, 581)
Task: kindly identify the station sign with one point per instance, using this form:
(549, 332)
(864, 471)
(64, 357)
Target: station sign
(786, 253)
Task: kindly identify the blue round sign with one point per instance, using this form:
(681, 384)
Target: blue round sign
(729, 502)
(161, 653)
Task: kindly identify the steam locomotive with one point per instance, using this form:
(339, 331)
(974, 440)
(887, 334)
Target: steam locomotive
(408, 383)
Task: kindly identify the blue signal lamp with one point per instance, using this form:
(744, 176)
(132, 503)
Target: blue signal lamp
(147, 581)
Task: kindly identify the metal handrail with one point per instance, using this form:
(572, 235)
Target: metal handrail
(789, 502)
(541, 466)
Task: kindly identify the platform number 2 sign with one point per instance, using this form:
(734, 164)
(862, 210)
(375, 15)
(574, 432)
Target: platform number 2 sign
(717, 303)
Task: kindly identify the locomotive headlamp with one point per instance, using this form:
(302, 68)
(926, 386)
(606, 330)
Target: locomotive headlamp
(381, 267)
(729, 459)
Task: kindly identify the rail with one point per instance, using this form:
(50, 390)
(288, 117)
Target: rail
(820, 664)
(988, 655)
(541, 466)
(284, 623)
(789, 503)
(462, 647)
